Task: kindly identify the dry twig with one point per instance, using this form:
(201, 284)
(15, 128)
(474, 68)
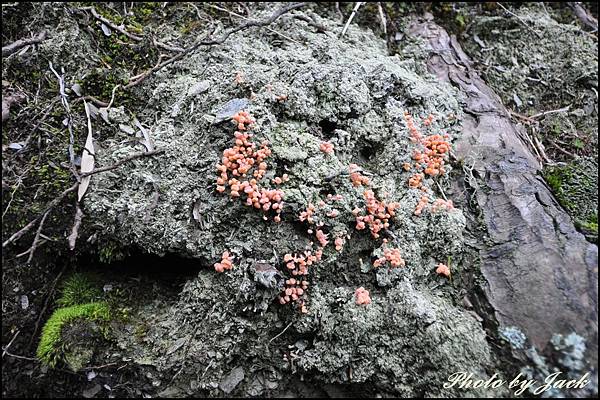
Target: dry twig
(36, 239)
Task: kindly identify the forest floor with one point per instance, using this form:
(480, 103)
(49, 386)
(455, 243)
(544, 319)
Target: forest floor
(133, 62)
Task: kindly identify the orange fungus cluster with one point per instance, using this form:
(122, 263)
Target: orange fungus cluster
(435, 148)
(356, 177)
(443, 269)
(226, 262)
(440, 204)
(362, 296)
(423, 201)
(243, 166)
(295, 291)
(392, 256)
(298, 264)
(377, 215)
(326, 147)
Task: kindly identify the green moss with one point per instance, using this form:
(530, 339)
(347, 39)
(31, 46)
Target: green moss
(78, 289)
(49, 350)
(590, 226)
(575, 186)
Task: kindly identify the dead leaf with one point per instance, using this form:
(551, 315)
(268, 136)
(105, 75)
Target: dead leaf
(87, 158)
(147, 141)
(106, 30)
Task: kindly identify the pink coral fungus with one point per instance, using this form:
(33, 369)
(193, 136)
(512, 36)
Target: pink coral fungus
(436, 149)
(423, 201)
(440, 204)
(339, 243)
(362, 296)
(226, 262)
(293, 290)
(322, 238)
(308, 214)
(298, 264)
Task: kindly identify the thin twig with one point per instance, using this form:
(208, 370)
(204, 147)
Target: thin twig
(441, 190)
(92, 99)
(245, 18)
(123, 161)
(281, 333)
(111, 24)
(5, 349)
(520, 20)
(112, 97)
(65, 103)
(561, 149)
(560, 110)
(13, 47)
(36, 239)
(356, 7)
(21, 357)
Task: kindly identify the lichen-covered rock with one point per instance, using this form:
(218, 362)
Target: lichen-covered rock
(352, 94)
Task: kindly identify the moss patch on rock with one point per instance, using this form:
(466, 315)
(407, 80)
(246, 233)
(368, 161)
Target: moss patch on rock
(50, 348)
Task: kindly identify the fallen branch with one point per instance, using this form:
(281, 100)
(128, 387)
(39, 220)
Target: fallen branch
(16, 236)
(245, 18)
(65, 102)
(5, 349)
(583, 16)
(123, 161)
(141, 77)
(564, 109)
(13, 47)
(280, 333)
